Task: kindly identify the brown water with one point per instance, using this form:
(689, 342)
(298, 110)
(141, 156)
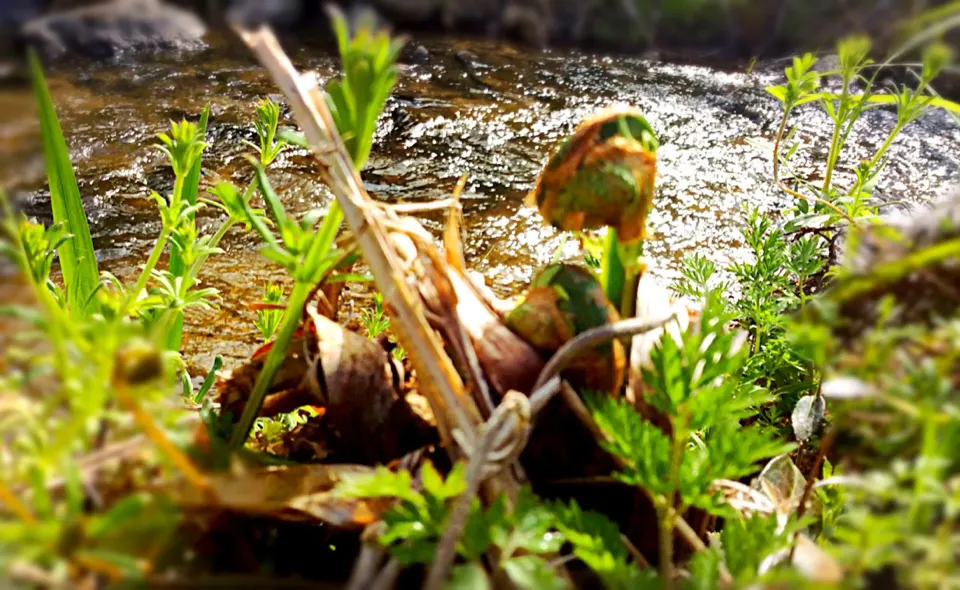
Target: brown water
(497, 125)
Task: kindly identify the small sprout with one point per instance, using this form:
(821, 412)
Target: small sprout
(270, 313)
(602, 176)
(271, 145)
(182, 146)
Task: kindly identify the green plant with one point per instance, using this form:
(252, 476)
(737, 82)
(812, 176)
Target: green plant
(696, 384)
(368, 59)
(373, 319)
(78, 261)
(525, 534)
(89, 373)
(269, 318)
(186, 235)
(828, 204)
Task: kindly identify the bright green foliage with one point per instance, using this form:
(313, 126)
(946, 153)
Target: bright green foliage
(185, 236)
(268, 320)
(77, 258)
(596, 542)
(374, 319)
(524, 534)
(307, 252)
(773, 284)
(79, 361)
(696, 383)
(802, 83)
(270, 146)
(368, 58)
(183, 146)
(39, 247)
(827, 204)
(900, 509)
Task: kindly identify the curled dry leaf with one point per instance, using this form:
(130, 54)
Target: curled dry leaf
(366, 416)
(508, 361)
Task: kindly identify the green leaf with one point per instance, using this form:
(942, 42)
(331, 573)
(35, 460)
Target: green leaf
(77, 258)
(596, 542)
(530, 571)
(209, 380)
(468, 576)
(190, 192)
(935, 101)
(123, 512)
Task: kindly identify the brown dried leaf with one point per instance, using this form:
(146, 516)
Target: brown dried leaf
(299, 493)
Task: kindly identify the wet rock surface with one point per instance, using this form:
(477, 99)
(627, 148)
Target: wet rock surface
(497, 121)
(114, 28)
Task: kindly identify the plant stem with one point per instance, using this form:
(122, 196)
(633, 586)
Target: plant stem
(156, 435)
(158, 247)
(291, 321)
(665, 515)
(16, 505)
(886, 144)
(834, 152)
(776, 145)
(668, 512)
(613, 273)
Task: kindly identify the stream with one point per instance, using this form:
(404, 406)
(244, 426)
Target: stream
(480, 108)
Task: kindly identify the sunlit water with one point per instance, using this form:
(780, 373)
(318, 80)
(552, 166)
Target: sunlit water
(498, 126)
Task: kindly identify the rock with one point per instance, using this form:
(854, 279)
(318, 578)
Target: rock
(408, 12)
(530, 22)
(467, 58)
(16, 12)
(415, 54)
(276, 13)
(113, 28)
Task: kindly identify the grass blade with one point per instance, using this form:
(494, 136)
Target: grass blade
(77, 258)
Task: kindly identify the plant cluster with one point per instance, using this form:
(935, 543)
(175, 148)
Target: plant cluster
(725, 407)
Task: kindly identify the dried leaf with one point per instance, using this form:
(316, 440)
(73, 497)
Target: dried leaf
(366, 416)
(301, 492)
(508, 362)
(808, 416)
(783, 483)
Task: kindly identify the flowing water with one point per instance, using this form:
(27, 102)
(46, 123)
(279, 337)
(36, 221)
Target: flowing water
(482, 109)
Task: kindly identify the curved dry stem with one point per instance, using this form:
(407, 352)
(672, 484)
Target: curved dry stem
(594, 336)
